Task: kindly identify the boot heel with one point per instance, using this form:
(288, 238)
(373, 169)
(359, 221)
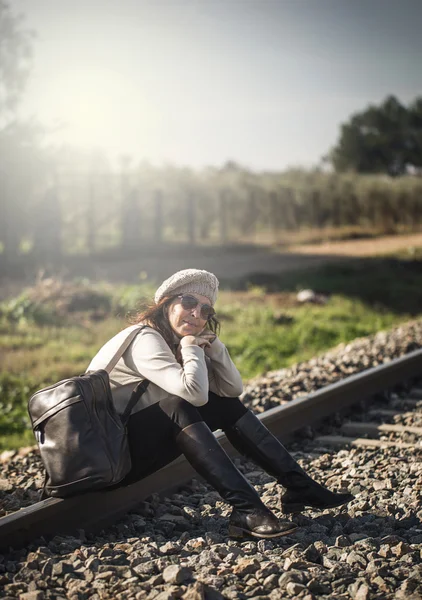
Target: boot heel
(292, 508)
(236, 532)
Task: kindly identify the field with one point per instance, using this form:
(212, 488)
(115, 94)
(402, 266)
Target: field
(374, 246)
(51, 330)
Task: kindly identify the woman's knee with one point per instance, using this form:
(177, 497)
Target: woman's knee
(181, 412)
(222, 412)
(234, 410)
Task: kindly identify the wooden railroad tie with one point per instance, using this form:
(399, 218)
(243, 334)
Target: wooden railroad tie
(340, 440)
(357, 428)
(354, 428)
(389, 412)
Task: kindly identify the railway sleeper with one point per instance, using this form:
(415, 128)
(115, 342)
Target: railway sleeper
(341, 440)
(357, 428)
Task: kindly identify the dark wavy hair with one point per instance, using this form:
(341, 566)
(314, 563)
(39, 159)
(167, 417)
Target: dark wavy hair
(155, 315)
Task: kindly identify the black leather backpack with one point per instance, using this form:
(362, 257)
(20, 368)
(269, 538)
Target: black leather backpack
(81, 437)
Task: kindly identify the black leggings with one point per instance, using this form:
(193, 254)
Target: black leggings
(152, 431)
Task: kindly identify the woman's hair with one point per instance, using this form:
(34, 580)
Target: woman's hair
(155, 315)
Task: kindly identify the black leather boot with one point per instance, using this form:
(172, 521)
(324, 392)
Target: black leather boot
(249, 516)
(250, 437)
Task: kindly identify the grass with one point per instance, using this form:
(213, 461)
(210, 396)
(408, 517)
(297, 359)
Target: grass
(263, 326)
(391, 284)
(258, 342)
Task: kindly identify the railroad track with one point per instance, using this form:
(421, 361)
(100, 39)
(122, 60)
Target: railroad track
(372, 427)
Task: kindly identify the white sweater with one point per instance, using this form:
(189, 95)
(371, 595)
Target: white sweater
(149, 357)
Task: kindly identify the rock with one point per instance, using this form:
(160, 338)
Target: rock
(61, 568)
(401, 549)
(176, 574)
(306, 296)
(195, 545)
(170, 548)
(318, 587)
(385, 551)
(381, 584)
(176, 519)
(312, 554)
(342, 541)
(194, 592)
(294, 589)
(291, 577)
(246, 566)
(270, 581)
(166, 595)
(36, 595)
(356, 560)
(363, 592)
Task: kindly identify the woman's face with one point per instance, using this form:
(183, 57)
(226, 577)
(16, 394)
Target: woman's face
(187, 322)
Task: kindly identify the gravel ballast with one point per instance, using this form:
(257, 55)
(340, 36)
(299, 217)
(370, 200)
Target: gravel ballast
(177, 546)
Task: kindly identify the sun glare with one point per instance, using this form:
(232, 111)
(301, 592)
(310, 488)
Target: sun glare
(94, 107)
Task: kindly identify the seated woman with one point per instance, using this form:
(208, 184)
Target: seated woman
(193, 390)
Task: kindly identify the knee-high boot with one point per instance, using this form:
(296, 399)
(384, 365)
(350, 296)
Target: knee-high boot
(250, 516)
(251, 438)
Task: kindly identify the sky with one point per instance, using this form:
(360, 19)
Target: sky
(266, 83)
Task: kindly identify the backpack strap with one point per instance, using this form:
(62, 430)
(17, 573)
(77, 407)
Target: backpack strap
(124, 346)
(136, 394)
(142, 386)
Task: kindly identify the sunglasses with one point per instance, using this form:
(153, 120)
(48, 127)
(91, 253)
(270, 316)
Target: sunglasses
(190, 302)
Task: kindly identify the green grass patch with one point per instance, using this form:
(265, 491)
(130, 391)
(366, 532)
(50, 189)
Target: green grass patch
(263, 326)
(15, 429)
(391, 284)
(262, 345)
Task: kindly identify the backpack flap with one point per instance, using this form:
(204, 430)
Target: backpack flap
(52, 399)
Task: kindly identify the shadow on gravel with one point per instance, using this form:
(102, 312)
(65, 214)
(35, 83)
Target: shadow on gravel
(373, 524)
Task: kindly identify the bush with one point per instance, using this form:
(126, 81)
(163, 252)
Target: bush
(23, 309)
(14, 395)
(50, 301)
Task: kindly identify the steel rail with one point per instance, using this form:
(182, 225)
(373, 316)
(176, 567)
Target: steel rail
(96, 510)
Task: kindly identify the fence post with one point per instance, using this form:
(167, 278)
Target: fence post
(223, 216)
(91, 233)
(251, 221)
(313, 198)
(273, 214)
(191, 218)
(158, 216)
(48, 226)
(11, 227)
(131, 220)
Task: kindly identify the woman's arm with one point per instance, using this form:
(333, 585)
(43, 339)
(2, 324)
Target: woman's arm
(224, 378)
(150, 356)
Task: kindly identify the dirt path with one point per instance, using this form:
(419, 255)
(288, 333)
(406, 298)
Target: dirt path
(231, 263)
(238, 262)
(226, 266)
(373, 247)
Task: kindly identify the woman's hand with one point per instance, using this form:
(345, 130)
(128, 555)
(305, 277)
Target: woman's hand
(208, 335)
(203, 340)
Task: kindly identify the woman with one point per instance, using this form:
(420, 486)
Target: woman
(193, 390)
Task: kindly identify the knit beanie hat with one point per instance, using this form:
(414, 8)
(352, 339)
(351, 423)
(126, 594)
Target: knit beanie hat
(191, 281)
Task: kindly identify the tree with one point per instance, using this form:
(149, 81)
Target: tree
(15, 60)
(415, 142)
(21, 160)
(381, 139)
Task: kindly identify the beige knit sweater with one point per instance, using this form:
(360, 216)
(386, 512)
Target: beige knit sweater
(149, 357)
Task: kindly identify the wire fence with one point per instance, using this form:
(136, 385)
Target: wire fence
(95, 213)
